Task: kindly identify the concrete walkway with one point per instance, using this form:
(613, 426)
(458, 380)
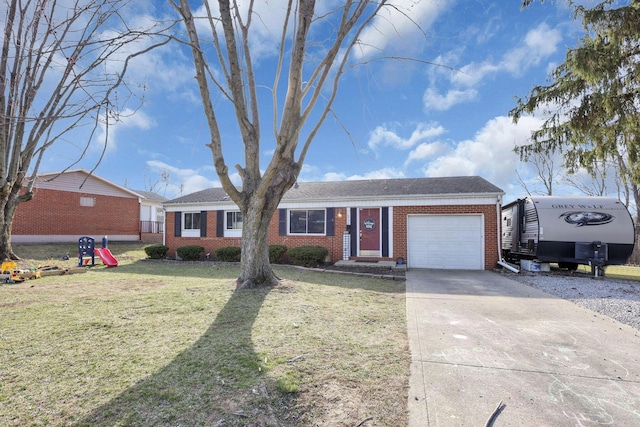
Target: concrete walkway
(478, 338)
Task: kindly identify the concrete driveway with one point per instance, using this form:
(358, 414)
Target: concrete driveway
(478, 338)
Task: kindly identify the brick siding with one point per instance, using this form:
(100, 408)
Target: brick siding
(490, 227)
(54, 212)
(211, 242)
(334, 243)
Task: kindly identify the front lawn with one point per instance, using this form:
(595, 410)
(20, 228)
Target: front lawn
(170, 343)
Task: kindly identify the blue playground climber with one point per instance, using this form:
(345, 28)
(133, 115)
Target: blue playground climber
(86, 246)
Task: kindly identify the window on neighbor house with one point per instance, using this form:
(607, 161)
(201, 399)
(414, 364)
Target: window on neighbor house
(234, 220)
(159, 214)
(88, 201)
(310, 221)
(191, 221)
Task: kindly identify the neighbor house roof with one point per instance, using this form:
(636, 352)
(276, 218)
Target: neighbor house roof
(364, 189)
(78, 180)
(153, 197)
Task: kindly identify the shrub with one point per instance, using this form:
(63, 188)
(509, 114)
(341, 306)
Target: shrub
(190, 252)
(276, 253)
(308, 256)
(156, 251)
(228, 254)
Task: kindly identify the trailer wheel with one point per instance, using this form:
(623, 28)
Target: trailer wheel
(571, 266)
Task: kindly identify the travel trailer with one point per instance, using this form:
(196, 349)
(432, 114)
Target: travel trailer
(595, 231)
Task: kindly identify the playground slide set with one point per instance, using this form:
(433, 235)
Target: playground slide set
(10, 273)
(86, 247)
(107, 257)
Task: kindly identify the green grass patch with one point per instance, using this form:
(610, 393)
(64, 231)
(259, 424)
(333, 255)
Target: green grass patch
(172, 343)
(625, 272)
(288, 383)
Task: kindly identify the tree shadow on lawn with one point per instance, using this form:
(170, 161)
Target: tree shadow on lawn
(220, 379)
(208, 383)
(208, 269)
(169, 268)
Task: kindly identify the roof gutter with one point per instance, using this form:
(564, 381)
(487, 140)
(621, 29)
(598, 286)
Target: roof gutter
(395, 197)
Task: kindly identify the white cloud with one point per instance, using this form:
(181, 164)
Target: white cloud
(187, 180)
(385, 173)
(383, 136)
(266, 24)
(311, 173)
(398, 24)
(334, 176)
(472, 74)
(489, 154)
(435, 101)
(126, 119)
(538, 44)
(314, 174)
(425, 151)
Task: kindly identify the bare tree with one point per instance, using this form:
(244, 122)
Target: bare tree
(594, 179)
(547, 171)
(160, 185)
(311, 70)
(593, 182)
(63, 66)
(627, 174)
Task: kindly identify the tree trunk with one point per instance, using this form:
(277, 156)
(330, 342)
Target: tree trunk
(255, 266)
(259, 205)
(7, 213)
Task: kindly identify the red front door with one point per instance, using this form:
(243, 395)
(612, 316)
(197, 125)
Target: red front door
(369, 224)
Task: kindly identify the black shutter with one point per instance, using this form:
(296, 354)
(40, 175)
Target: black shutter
(354, 232)
(385, 232)
(203, 223)
(219, 223)
(331, 222)
(282, 222)
(177, 226)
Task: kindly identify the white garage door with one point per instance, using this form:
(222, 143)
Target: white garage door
(445, 242)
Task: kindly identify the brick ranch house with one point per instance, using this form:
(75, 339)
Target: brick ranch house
(76, 203)
(448, 223)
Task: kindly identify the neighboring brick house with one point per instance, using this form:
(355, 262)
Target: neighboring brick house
(450, 223)
(69, 205)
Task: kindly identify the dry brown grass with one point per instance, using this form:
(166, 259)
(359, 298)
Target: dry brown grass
(172, 343)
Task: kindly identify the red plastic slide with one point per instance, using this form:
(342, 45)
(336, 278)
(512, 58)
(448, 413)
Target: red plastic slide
(107, 257)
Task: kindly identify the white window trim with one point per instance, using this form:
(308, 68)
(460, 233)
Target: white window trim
(234, 232)
(189, 232)
(289, 233)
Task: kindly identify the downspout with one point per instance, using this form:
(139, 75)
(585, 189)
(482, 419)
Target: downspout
(139, 219)
(502, 262)
(164, 227)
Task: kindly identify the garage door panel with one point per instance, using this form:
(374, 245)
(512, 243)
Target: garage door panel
(445, 241)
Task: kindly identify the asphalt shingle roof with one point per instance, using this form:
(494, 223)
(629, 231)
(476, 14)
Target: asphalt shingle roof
(151, 196)
(374, 188)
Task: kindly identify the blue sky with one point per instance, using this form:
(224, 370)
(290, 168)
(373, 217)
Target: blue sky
(396, 118)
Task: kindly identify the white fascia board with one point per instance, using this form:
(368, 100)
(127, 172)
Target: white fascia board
(183, 207)
(355, 202)
(439, 200)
